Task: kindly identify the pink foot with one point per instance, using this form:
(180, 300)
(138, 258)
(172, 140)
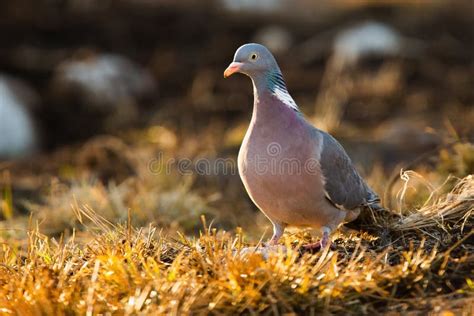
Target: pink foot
(317, 246)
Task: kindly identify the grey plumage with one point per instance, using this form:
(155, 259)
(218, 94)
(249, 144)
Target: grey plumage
(343, 184)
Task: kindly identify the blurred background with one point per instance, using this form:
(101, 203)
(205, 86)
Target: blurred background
(98, 98)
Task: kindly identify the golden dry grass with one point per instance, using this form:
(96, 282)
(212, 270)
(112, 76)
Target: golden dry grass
(70, 256)
(120, 269)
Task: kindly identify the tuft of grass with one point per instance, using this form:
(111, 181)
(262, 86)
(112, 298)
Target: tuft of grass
(162, 199)
(443, 212)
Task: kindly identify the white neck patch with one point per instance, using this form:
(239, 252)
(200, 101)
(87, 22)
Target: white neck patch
(285, 97)
(277, 86)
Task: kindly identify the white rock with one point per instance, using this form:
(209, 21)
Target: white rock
(105, 79)
(17, 130)
(368, 38)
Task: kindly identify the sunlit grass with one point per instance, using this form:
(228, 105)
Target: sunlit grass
(129, 270)
(127, 248)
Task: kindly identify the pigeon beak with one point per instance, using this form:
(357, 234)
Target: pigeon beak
(233, 68)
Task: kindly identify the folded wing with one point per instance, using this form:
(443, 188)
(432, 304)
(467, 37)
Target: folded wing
(344, 187)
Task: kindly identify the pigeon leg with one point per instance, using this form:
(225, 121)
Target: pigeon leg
(325, 240)
(278, 230)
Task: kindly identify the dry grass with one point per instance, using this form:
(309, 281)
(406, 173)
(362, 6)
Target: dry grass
(74, 258)
(125, 270)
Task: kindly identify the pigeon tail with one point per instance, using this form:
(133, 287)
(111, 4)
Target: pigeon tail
(373, 201)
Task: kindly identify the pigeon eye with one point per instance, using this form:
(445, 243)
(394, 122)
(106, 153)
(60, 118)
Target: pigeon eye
(253, 56)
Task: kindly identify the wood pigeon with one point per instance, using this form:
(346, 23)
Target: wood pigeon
(296, 174)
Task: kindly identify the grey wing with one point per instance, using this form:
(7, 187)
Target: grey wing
(344, 186)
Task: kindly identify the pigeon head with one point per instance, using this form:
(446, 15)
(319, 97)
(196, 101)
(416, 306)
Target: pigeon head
(252, 60)
(256, 61)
